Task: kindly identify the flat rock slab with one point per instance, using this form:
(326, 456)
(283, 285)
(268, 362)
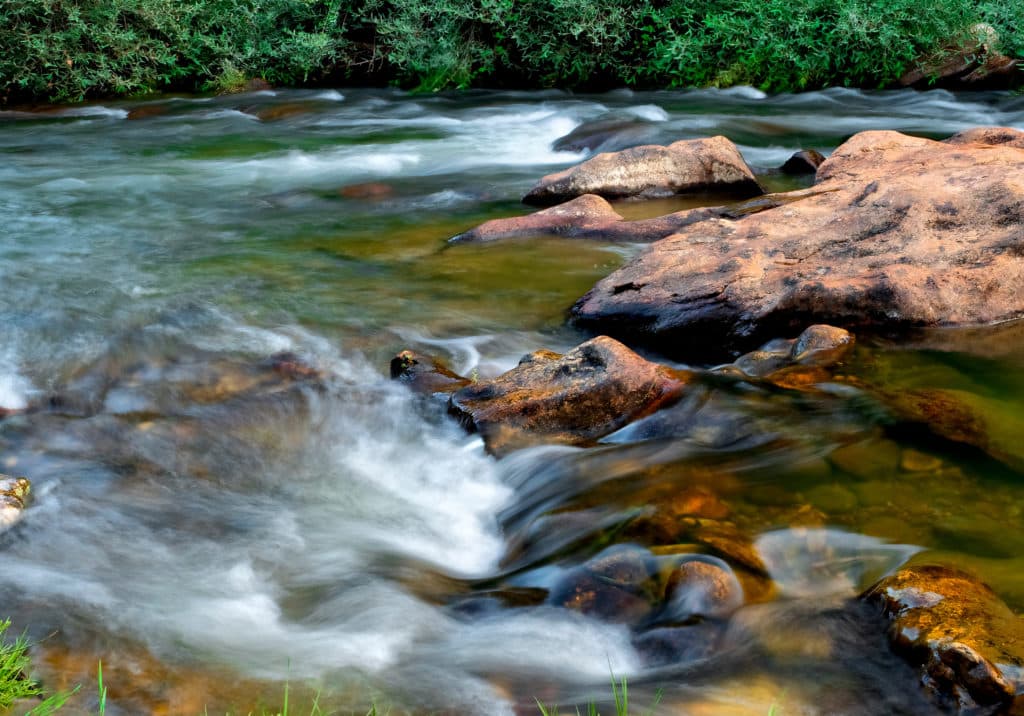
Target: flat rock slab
(967, 643)
(687, 166)
(898, 232)
(575, 398)
(585, 217)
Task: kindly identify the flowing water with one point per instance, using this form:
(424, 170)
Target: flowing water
(200, 297)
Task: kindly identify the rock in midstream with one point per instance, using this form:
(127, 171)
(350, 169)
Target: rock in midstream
(601, 386)
(575, 398)
(425, 374)
(14, 492)
(967, 644)
(898, 232)
(686, 166)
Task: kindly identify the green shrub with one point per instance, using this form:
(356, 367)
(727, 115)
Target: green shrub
(71, 49)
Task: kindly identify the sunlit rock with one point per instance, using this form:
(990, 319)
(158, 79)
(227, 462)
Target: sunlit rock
(589, 392)
(966, 642)
(888, 238)
(686, 166)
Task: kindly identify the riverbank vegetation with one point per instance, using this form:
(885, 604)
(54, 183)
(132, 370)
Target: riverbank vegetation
(65, 50)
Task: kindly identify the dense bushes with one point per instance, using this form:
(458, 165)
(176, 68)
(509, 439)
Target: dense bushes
(69, 49)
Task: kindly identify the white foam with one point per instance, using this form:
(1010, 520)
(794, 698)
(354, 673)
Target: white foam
(330, 95)
(96, 111)
(744, 92)
(650, 112)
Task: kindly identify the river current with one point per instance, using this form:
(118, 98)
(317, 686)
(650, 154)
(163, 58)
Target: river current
(212, 535)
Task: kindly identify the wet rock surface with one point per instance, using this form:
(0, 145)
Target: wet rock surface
(576, 398)
(898, 232)
(686, 166)
(424, 374)
(14, 492)
(806, 161)
(968, 645)
(605, 135)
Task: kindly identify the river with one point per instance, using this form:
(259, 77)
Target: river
(212, 535)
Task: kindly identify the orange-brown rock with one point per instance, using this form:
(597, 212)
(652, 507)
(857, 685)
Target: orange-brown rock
(589, 392)
(967, 643)
(585, 217)
(425, 374)
(898, 232)
(686, 166)
(702, 586)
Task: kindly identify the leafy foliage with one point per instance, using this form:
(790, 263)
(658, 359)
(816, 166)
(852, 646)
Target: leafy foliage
(71, 49)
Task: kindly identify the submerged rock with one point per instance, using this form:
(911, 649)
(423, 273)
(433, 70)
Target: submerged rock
(687, 166)
(662, 646)
(961, 416)
(14, 493)
(966, 642)
(607, 135)
(616, 585)
(577, 398)
(799, 361)
(701, 587)
(899, 232)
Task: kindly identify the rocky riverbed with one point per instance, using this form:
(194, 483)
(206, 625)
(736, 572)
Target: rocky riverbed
(738, 428)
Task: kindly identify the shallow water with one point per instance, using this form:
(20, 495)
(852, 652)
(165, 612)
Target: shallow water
(212, 530)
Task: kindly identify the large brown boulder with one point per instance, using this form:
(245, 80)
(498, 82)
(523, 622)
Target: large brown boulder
(967, 643)
(574, 398)
(686, 166)
(898, 232)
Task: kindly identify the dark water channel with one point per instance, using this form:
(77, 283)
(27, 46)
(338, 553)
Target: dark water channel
(198, 310)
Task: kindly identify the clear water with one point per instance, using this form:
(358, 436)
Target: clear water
(211, 534)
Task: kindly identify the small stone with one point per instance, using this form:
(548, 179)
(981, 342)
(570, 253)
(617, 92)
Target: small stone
(833, 499)
(869, 459)
(916, 461)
